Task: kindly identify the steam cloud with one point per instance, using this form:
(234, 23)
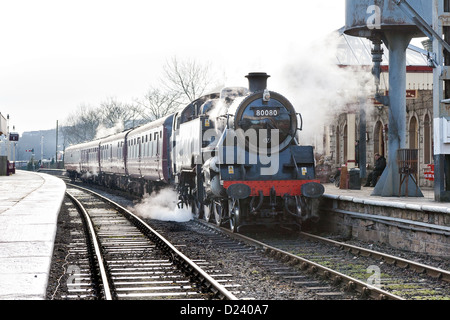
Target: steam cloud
(162, 206)
(321, 90)
(103, 131)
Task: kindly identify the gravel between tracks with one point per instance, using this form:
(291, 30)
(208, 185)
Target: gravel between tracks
(57, 278)
(248, 268)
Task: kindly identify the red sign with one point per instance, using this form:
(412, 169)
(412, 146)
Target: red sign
(429, 175)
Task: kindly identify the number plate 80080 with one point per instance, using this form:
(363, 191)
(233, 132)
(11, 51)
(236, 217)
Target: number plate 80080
(266, 112)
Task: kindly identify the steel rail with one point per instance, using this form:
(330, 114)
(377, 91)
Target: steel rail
(187, 264)
(351, 283)
(97, 250)
(419, 267)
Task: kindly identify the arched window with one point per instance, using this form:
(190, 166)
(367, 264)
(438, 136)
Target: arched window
(378, 139)
(427, 145)
(413, 134)
(338, 145)
(345, 143)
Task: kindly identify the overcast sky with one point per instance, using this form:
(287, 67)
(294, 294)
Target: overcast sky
(58, 54)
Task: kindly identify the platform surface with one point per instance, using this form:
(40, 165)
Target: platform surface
(364, 196)
(29, 208)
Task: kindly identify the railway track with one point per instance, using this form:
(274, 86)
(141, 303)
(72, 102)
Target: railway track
(329, 269)
(369, 273)
(130, 259)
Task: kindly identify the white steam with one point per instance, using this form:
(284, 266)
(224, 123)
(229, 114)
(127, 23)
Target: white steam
(162, 205)
(103, 131)
(320, 89)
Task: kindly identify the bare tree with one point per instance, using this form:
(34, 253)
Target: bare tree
(135, 116)
(183, 82)
(118, 114)
(157, 104)
(81, 125)
(186, 78)
(112, 112)
(88, 123)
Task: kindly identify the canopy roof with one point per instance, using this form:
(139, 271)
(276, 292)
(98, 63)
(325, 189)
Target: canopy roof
(355, 51)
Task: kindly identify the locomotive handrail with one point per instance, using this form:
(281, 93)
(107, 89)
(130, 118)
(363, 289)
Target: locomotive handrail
(286, 205)
(261, 199)
(301, 121)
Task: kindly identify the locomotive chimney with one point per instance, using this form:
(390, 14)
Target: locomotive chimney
(257, 81)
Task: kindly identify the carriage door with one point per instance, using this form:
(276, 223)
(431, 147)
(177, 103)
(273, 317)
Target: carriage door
(158, 154)
(139, 154)
(173, 151)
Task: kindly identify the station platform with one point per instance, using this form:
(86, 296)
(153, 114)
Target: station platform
(425, 203)
(29, 206)
(417, 224)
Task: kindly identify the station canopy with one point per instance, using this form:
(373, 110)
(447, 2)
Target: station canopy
(355, 51)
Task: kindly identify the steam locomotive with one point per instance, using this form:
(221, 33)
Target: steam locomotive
(232, 156)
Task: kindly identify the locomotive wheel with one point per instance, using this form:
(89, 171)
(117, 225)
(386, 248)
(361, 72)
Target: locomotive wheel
(196, 209)
(218, 212)
(235, 214)
(208, 212)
